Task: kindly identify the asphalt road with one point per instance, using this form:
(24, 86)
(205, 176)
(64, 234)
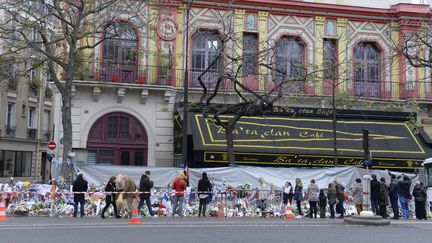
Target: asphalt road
(250, 230)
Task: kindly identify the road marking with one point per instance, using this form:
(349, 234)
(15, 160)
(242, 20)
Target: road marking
(39, 227)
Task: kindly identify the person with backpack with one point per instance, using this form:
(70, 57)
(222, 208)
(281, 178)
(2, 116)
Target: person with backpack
(145, 187)
(204, 190)
(110, 198)
(404, 195)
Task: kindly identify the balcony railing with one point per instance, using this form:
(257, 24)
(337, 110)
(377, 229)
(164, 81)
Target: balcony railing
(126, 73)
(10, 131)
(171, 76)
(46, 135)
(31, 133)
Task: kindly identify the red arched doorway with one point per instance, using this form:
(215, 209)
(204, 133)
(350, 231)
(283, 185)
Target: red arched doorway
(117, 138)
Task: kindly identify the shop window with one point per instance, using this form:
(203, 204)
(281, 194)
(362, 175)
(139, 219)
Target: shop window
(290, 64)
(367, 70)
(250, 54)
(16, 163)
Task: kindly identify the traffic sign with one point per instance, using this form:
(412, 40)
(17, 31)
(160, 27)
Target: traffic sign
(52, 145)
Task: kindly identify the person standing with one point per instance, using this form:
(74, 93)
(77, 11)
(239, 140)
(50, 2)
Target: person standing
(384, 198)
(331, 196)
(129, 194)
(179, 186)
(393, 194)
(419, 194)
(204, 190)
(404, 195)
(263, 193)
(340, 196)
(375, 194)
(110, 198)
(145, 187)
(322, 204)
(80, 186)
(358, 195)
(312, 196)
(298, 195)
(287, 194)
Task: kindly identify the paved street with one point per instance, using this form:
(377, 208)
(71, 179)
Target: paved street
(43, 229)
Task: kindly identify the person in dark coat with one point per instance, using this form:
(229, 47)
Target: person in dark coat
(393, 194)
(204, 190)
(340, 196)
(384, 198)
(110, 198)
(404, 195)
(80, 185)
(322, 204)
(419, 194)
(145, 186)
(375, 194)
(331, 196)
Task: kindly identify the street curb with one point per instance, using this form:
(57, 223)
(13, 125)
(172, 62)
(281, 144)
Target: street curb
(368, 220)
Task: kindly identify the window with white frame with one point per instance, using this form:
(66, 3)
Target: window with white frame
(32, 117)
(10, 118)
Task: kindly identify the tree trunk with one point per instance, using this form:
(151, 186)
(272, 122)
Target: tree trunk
(230, 143)
(67, 134)
(334, 121)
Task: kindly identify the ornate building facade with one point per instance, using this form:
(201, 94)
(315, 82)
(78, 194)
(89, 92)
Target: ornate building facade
(130, 87)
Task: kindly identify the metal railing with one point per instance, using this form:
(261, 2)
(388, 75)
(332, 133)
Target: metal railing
(32, 133)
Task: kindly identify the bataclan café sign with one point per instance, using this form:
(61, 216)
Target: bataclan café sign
(308, 141)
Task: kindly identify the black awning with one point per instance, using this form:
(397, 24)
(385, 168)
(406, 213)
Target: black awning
(295, 138)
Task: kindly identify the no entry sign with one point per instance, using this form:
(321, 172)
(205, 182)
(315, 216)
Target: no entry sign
(52, 145)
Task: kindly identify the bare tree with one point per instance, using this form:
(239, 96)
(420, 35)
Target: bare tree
(54, 34)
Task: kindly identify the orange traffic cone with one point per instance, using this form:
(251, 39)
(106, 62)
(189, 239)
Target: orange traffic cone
(288, 211)
(135, 219)
(3, 209)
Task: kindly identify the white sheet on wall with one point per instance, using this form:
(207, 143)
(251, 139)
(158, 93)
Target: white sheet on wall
(164, 176)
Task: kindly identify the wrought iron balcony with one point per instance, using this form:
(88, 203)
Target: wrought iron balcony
(31, 133)
(46, 135)
(10, 131)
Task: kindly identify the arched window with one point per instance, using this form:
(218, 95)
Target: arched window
(120, 53)
(290, 66)
(206, 46)
(117, 138)
(367, 70)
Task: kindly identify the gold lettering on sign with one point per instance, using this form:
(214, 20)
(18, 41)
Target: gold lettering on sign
(307, 134)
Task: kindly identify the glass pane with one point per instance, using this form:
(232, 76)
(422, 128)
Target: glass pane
(197, 60)
(125, 158)
(112, 127)
(250, 22)
(139, 158)
(26, 163)
(250, 54)
(18, 164)
(106, 153)
(9, 162)
(330, 28)
(124, 127)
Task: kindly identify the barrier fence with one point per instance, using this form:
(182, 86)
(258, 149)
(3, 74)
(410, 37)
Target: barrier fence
(220, 203)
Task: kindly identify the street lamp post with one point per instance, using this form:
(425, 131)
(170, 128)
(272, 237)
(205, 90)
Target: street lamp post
(186, 90)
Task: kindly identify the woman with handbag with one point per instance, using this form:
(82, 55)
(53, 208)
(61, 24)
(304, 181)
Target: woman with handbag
(110, 198)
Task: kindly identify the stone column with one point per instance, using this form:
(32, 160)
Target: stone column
(319, 53)
(262, 28)
(344, 63)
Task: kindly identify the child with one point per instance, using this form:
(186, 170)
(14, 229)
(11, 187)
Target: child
(322, 204)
